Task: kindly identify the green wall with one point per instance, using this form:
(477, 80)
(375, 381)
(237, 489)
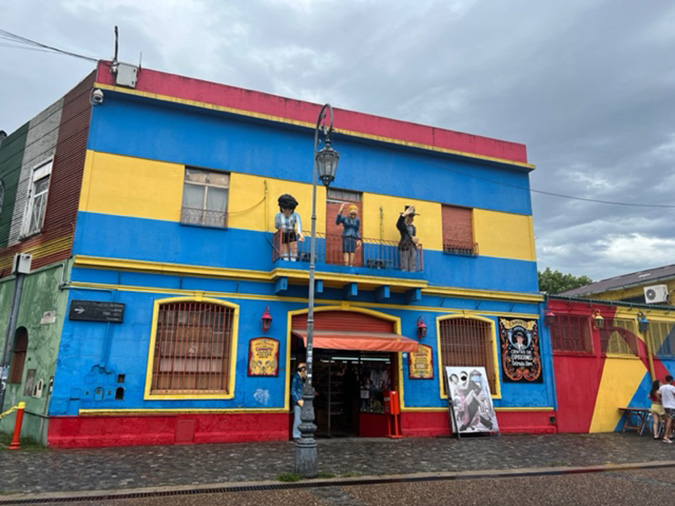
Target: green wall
(40, 294)
(11, 156)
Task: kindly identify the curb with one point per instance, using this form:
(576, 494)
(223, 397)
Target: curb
(177, 490)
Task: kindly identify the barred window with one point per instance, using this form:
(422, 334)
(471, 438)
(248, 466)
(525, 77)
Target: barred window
(619, 337)
(458, 231)
(661, 336)
(468, 342)
(572, 333)
(205, 195)
(192, 349)
(18, 355)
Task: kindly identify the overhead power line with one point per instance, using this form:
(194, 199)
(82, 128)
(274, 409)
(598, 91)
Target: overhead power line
(29, 44)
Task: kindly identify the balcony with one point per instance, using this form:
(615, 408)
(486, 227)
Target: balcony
(373, 255)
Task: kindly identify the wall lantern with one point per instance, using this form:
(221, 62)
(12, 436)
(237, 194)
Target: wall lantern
(421, 328)
(643, 322)
(549, 317)
(598, 320)
(266, 320)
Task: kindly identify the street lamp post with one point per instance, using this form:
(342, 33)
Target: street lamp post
(325, 166)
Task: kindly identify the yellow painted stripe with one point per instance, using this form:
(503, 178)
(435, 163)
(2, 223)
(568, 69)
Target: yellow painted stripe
(178, 411)
(60, 244)
(620, 380)
(128, 186)
(278, 119)
(501, 410)
(149, 189)
(504, 235)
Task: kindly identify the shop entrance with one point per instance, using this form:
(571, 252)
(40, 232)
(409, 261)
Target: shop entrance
(351, 387)
(355, 362)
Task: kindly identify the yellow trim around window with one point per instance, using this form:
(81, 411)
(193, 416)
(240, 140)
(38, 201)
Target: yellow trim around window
(497, 394)
(233, 351)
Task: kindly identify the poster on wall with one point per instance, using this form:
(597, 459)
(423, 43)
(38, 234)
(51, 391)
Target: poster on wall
(521, 358)
(470, 401)
(421, 363)
(263, 357)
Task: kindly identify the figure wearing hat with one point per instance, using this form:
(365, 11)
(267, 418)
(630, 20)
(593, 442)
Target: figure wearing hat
(351, 240)
(288, 222)
(409, 243)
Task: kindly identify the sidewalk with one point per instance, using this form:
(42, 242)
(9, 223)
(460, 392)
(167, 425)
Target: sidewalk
(49, 470)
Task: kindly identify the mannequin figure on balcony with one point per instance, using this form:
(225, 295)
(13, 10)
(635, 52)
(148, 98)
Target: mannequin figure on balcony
(409, 243)
(351, 240)
(289, 224)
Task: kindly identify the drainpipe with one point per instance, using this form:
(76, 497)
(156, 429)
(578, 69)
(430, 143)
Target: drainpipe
(8, 345)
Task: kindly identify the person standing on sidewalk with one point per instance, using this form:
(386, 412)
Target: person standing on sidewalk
(667, 392)
(656, 409)
(296, 393)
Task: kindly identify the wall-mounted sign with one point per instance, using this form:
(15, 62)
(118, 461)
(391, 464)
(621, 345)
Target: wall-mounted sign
(48, 318)
(421, 363)
(96, 311)
(521, 357)
(263, 357)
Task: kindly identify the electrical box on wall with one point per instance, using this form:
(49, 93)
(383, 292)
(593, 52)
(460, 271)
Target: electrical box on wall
(22, 263)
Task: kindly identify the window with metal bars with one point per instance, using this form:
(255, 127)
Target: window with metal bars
(192, 349)
(619, 337)
(570, 333)
(205, 194)
(661, 336)
(466, 342)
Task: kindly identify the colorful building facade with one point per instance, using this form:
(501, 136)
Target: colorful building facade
(159, 310)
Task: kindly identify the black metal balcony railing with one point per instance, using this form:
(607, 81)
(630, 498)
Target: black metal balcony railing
(373, 253)
(465, 248)
(205, 217)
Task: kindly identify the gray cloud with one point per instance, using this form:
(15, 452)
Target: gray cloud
(586, 84)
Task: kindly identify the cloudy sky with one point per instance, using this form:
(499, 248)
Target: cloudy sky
(587, 85)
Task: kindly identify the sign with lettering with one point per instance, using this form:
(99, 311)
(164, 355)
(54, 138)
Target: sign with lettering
(96, 311)
(263, 357)
(521, 357)
(421, 363)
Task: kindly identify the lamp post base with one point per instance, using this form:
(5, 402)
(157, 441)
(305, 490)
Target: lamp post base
(305, 447)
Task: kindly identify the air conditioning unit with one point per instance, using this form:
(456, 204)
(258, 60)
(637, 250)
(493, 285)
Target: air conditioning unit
(656, 293)
(22, 263)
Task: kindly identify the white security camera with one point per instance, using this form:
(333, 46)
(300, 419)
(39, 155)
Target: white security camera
(97, 97)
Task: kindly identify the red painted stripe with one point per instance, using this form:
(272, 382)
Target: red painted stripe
(152, 81)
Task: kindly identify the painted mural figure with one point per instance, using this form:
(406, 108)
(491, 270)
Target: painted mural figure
(409, 243)
(288, 222)
(351, 239)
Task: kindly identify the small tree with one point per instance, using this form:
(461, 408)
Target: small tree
(553, 282)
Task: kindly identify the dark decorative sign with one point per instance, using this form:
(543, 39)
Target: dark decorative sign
(421, 363)
(521, 357)
(96, 311)
(263, 357)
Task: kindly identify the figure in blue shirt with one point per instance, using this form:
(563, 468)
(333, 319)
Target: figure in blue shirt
(296, 394)
(351, 239)
(289, 224)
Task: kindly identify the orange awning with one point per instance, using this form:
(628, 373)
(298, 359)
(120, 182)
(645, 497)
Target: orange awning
(364, 341)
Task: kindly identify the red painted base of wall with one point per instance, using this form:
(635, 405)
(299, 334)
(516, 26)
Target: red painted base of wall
(437, 423)
(101, 431)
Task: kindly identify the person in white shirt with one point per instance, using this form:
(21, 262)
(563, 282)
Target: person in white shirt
(667, 392)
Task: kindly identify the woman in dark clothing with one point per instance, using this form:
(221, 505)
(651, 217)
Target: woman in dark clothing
(409, 243)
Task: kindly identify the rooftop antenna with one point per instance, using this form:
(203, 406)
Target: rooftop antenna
(140, 61)
(116, 44)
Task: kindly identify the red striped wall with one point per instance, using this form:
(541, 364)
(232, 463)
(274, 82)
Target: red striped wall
(152, 81)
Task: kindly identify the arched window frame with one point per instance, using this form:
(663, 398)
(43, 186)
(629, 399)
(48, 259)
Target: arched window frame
(149, 395)
(20, 349)
(497, 394)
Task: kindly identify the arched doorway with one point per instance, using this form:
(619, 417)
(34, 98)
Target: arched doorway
(355, 364)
